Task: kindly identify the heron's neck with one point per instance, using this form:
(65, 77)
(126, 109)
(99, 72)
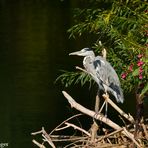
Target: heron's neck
(92, 56)
(88, 59)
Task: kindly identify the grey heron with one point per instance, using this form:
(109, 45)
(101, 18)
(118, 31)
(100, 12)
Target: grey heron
(102, 72)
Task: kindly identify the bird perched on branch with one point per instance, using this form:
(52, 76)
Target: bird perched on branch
(102, 72)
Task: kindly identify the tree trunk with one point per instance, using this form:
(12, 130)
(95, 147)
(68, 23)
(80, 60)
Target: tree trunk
(139, 114)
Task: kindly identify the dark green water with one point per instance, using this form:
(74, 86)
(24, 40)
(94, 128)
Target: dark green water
(34, 45)
(33, 42)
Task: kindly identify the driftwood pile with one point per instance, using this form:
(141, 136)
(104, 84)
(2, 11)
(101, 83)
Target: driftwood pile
(120, 137)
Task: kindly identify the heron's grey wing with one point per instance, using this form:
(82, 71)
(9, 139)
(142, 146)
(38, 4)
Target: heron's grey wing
(99, 69)
(114, 82)
(109, 77)
(98, 72)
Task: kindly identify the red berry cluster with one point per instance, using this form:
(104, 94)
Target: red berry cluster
(139, 64)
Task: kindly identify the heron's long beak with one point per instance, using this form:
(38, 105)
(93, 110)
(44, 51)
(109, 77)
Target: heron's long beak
(78, 53)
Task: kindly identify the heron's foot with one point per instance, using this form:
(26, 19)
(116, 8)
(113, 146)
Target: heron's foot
(107, 94)
(95, 115)
(106, 116)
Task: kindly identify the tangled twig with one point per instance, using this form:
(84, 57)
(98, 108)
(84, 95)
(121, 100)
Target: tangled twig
(120, 137)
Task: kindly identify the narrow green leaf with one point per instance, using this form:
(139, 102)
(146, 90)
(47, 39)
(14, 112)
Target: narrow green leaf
(145, 90)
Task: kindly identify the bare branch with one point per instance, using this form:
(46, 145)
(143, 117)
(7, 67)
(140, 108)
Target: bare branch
(104, 53)
(78, 128)
(64, 122)
(77, 67)
(108, 135)
(94, 129)
(100, 117)
(127, 116)
(38, 144)
(62, 128)
(35, 133)
(91, 113)
(131, 137)
(145, 131)
(47, 138)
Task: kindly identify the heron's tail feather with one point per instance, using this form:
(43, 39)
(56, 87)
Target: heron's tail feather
(118, 94)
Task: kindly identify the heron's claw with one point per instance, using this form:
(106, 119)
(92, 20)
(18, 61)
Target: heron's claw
(107, 94)
(95, 115)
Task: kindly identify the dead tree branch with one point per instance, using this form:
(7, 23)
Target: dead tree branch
(100, 117)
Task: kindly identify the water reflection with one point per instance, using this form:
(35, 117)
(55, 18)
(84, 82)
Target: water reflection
(33, 39)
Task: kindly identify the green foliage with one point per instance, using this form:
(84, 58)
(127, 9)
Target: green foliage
(122, 26)
(68, 78)
(145, 89)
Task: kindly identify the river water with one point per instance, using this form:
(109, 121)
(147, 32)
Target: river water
(33, 42)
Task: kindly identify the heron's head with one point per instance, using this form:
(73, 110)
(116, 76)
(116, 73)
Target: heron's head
(84, 52)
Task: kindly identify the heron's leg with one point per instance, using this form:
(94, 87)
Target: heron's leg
(106, 108)
(106, 104)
